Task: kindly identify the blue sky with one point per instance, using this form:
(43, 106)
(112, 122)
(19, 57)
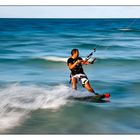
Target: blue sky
(69, 11)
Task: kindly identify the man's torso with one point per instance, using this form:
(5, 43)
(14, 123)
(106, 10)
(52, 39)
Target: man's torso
(78, 68)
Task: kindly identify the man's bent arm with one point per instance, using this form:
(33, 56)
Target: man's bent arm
(72, 66)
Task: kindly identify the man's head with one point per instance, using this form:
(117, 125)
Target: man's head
(75, 53)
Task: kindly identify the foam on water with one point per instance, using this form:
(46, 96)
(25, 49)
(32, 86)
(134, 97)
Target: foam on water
(54, 58)
(125, 29)
(17, 101)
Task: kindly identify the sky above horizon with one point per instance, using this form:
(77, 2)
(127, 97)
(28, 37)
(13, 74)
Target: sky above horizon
(69, 11)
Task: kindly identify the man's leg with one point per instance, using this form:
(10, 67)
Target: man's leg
(74, 83)
(89, 88)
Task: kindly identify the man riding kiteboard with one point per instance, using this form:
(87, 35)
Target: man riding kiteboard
(75, 63)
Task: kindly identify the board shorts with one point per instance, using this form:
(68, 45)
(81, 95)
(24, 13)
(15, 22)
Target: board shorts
(81, 77)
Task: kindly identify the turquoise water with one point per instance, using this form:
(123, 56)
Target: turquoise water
(34, 77)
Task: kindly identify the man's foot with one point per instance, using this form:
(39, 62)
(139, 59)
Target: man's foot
(96, 93)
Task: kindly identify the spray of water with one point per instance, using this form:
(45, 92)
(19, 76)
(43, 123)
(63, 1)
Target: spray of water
(17, 101)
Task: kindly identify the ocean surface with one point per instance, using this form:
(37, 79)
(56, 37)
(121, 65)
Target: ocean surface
(34, 77)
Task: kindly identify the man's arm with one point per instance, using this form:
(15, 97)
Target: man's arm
(84, 62)
(72, 66)
(87, 62)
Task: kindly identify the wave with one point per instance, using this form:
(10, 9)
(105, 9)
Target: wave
(17, 102)
(128, 30)
(35, 60)
(125, 29)
(118, 62)
(54, 58)
(118, 57)
(76, 35)
(103, 58)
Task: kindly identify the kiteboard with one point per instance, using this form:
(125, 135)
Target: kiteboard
(100, 98)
